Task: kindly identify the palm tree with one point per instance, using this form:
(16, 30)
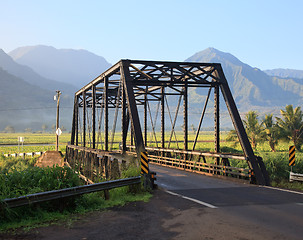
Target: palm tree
(271, 130)
(254, 129)
(291, 125)
(232, 137)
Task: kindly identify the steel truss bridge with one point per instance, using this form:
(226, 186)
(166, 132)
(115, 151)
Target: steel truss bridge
(122, 104)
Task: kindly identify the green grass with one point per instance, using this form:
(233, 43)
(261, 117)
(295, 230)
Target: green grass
(30, 142)
(18, 177)
(37, 217)
(32, 138)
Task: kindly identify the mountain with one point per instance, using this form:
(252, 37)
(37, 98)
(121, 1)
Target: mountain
(251, 87)
(76, 67)
(30, 76)
(285, 73)
(24, 105)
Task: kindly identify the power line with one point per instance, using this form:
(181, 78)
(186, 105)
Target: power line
(25, 109)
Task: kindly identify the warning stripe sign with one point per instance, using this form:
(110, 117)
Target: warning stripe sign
(292, 153)
(144, 163)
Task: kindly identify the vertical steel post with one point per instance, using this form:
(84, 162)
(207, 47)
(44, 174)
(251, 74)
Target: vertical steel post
(217, 121)
(185, 116)
(132, 107)
(145, 116)
(124, 123)
(77, 119)
(162, 119)
(94, 115)
(72, 140)
(84, 118)
(105, 113)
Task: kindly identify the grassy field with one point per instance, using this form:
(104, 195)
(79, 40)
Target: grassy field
(33, 142)
(276, 163)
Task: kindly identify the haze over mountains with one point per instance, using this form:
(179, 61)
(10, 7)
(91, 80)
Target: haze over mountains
(29, 77)
(75, 67)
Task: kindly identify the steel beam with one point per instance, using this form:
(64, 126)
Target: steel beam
(77, 119)
(105, 113)
(74, 121)
(94, 116)
(145, 116)
(162, 118)
(132, 108)
(217, 122)
(124, 120)
(185, 116)
(84, 118)
(238, 125)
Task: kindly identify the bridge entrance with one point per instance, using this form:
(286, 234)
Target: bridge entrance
(116, 115)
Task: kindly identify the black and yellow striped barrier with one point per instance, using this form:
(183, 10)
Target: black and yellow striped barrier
(292, 158)
(144, 163)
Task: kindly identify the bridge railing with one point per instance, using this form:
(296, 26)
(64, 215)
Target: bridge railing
(195, 161)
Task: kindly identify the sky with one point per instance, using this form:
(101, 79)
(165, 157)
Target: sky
(266, 34)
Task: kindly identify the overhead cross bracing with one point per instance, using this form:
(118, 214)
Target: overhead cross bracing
(131, 84)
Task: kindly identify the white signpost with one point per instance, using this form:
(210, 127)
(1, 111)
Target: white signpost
(20, 141)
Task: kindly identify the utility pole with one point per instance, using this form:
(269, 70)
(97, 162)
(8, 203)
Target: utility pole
(58, 130)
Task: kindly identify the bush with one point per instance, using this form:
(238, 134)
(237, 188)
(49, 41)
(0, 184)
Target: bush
(15, 183)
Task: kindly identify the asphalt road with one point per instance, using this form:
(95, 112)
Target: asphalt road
(249, 211)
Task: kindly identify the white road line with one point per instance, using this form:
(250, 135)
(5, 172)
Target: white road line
(192, 199)
(283, 190)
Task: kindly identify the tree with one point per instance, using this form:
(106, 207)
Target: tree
(193, 128)
(291, 125)
(271, 131)
(44, 127)
(232, 137)
(9, 129)
(28, 130)
(254, 129)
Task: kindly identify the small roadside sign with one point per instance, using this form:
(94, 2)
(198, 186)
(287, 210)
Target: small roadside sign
(144, 163)
(58, 131)
(292, 156)
(20, 139)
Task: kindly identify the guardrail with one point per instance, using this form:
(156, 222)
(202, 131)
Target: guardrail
(67, 192)
(23, 154)
(295, 177)
(201, 167)
(195, 162)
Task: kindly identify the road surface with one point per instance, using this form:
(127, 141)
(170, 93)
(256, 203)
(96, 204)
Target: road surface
(253, 210)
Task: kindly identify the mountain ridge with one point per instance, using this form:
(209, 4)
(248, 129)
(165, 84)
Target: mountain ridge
(250, 86)
(71, 66)
(26, 73)
(285, 73)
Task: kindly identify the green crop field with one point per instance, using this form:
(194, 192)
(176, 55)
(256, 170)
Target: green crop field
(33, 142)
(276, 162)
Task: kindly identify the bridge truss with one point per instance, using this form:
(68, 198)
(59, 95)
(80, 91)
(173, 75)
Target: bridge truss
(130, 94)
